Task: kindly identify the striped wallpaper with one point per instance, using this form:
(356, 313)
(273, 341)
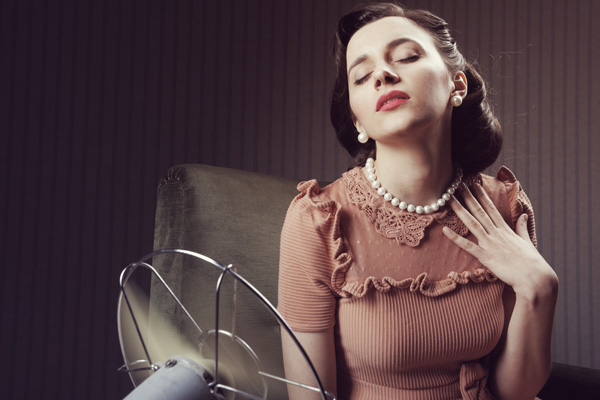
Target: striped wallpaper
(98, 98)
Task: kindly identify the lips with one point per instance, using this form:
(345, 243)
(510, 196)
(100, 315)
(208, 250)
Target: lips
(391, 100)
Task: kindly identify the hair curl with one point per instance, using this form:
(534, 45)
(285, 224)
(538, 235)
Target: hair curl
(476, 132)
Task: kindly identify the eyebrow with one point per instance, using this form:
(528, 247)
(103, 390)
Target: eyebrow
(389, 46)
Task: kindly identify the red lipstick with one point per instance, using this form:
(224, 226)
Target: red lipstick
(391, 100)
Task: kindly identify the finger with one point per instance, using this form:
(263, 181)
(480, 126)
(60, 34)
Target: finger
(476, 209)
(465, 244)
(521, 227)
(469, 220)
(488, 205)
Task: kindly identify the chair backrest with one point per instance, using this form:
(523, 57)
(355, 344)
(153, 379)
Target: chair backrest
(234, 217)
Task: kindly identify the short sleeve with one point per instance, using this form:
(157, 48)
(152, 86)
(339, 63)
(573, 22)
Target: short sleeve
(308, 245)
(518, 201)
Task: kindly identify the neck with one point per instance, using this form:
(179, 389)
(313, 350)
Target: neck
(416, 174)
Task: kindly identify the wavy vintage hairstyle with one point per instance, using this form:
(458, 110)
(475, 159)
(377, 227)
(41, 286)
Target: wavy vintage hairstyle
(476, 132)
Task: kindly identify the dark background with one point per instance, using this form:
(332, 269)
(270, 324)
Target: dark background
(98, 98)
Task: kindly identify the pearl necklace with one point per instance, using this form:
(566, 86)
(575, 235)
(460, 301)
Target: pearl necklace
(433, 207)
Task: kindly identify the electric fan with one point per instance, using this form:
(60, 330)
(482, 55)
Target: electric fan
(170, 355)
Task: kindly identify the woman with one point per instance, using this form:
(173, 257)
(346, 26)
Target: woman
(396, 288)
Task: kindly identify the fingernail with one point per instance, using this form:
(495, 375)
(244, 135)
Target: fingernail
(526, 217)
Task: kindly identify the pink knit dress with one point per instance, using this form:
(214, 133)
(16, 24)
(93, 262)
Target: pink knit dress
(415, 316)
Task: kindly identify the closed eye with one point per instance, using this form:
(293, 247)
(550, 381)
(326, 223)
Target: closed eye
(406, 60)
(409, 59)
(362, 80)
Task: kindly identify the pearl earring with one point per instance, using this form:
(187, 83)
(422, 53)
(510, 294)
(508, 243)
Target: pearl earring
(456, 100)
(363, 138)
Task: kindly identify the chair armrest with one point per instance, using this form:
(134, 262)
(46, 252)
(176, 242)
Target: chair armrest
(571, 382)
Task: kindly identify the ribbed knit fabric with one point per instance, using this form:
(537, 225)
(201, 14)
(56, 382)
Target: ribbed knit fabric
(415, 317)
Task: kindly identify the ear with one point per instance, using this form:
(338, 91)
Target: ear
(460, 84)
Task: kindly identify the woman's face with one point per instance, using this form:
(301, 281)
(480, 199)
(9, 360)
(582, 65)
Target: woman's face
(398, 82)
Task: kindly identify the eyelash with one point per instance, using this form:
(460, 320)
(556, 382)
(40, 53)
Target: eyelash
(409, 59)
(361, 80)
(402, 61)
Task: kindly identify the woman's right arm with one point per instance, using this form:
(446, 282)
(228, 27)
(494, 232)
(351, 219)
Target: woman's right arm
(309, 245)
(321, 349)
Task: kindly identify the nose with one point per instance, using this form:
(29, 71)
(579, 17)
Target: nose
(385, 76)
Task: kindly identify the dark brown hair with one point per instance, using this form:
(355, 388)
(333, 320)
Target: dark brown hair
(476, 132)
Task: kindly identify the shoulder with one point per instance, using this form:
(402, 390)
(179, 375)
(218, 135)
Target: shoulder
(316, 203)
(312, 220)
(313, 204)
(509, 197)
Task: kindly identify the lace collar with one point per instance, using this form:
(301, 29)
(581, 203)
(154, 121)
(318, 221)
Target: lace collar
(392, 222)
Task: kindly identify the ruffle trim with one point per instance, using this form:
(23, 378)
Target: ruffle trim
(309, 198)
(518, 200)
(391, 222)
(419, 284)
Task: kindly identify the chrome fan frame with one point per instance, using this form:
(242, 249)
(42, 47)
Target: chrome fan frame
(215, 385)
